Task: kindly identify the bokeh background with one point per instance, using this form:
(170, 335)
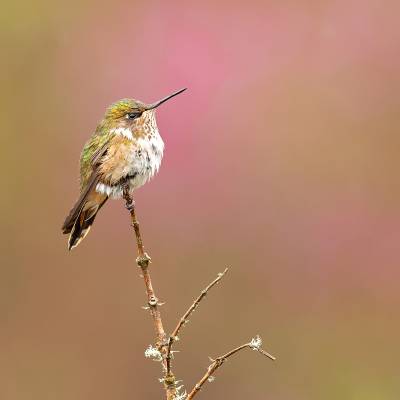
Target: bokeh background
(282, 162)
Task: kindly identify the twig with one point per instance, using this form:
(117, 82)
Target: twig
(143, 260)
(254, 344)
(174, 335)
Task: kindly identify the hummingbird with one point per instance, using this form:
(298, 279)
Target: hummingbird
(124, 153)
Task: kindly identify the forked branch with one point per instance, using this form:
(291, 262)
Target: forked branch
(163, 350)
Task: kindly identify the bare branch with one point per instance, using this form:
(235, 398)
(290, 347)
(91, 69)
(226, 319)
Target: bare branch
(143, 260)
(174, 335)
(190, 310)
(163, 350)
(254, 344)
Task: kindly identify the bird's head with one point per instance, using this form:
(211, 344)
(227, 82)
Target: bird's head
(133, 115)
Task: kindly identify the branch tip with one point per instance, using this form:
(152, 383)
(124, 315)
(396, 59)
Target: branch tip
(254, 344)
(185, 318)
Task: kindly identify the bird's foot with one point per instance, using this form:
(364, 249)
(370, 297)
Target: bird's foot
(130, 204)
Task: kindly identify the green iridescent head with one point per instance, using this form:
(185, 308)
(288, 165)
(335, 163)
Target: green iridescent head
(124, 107)
(131, 108)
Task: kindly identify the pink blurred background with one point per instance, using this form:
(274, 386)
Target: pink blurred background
(282, 162)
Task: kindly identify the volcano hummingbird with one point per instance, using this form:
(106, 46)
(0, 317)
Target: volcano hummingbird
(125, 151)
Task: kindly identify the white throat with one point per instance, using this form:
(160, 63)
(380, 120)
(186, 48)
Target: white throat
(123, 132)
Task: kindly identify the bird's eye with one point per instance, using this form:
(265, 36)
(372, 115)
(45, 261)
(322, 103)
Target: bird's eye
(133, 115)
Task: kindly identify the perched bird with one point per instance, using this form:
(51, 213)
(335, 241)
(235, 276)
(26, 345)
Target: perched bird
(125, 151)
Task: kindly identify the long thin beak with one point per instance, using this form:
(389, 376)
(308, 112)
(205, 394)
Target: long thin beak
(159, 102)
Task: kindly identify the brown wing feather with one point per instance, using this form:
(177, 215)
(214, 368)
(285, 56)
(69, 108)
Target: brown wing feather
(92, 182)
(98, 154)
(85, 218)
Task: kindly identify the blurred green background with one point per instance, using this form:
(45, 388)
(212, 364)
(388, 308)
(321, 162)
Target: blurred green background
(282, 162)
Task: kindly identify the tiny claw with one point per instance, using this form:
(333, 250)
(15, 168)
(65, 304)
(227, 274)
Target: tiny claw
(130, 205)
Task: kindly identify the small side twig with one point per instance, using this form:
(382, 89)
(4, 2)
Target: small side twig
(184, 319)
(254, 344)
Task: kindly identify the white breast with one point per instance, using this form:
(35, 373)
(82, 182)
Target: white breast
(147, 159)
(140, 164)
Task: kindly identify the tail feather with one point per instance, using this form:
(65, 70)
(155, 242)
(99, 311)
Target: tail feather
(79, 205)
(81, 217)
(82, 226)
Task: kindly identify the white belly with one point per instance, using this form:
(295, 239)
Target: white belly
(142, 163)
